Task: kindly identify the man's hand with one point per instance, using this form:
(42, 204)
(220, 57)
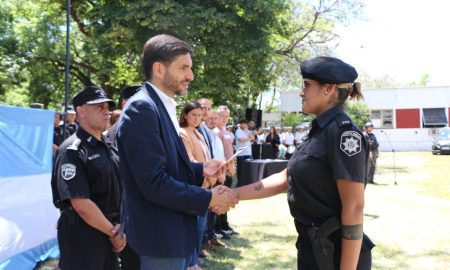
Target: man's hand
(118, 241)
(221, 179)
(231, 168)
(213, 168)
(222, 199)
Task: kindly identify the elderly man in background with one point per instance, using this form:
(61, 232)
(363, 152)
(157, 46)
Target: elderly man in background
(227, 139)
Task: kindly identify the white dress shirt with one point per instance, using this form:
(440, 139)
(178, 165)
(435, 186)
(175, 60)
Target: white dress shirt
(170, 105)
(216, 144)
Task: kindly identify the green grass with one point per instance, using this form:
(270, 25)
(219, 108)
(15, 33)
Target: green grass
(409, 222)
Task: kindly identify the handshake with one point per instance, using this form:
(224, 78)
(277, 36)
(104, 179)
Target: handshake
(222, 199)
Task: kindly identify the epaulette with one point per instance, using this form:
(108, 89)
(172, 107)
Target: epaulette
(74, 145)
(343, 120)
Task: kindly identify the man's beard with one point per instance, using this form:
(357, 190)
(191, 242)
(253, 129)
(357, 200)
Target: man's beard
(173, 86)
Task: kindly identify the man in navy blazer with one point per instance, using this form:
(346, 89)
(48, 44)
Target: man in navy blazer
(162, 188)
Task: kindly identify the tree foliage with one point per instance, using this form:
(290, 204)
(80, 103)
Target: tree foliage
(294, 119)
(359, 112)
(242, 48)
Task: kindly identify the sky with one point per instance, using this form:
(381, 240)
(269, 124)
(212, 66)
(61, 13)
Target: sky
(400, 38)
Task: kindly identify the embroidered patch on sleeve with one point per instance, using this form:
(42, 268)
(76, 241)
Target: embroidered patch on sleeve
(68, 171)
(350, 143)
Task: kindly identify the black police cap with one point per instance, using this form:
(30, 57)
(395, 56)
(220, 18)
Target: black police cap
(91, 95)
(129, 91)
(327, 69)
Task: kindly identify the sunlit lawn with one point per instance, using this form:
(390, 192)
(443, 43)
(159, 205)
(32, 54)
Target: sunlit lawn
(409, 222)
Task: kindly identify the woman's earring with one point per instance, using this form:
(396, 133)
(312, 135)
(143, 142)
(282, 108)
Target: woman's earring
(326, 92)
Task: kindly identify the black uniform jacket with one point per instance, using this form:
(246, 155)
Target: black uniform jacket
(335, 148)
(84, 168)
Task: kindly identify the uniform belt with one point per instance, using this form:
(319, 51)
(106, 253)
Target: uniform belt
(113, 217)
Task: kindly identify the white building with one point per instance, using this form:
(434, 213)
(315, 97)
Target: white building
(405, 119)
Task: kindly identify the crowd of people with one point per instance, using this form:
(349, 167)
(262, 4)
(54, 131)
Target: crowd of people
(143, 188)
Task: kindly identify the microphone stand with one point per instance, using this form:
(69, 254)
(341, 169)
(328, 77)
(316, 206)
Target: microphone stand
(393, 155)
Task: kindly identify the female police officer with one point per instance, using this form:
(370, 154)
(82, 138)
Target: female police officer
(325, 176)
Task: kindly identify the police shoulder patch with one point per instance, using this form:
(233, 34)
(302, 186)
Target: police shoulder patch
(350, 143)
(68, 171)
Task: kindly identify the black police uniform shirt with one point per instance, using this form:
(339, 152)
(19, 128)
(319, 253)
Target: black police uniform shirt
(334, 149)
(71, 128)
(373, 143)
(58, 135)
(85, 168)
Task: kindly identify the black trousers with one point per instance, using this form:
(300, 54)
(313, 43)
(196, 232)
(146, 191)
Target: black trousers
(306, 260)
(129, 259)
(83, 247)
(372, 165)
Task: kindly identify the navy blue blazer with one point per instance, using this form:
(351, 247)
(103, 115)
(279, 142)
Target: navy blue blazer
(162, 196)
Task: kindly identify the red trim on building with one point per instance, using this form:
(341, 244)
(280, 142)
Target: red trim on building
(407, 118)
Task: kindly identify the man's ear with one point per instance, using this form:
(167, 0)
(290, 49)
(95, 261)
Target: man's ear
(80, 111)
(158, 70)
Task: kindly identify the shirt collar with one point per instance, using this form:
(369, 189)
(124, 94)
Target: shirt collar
(210, 131)
(323, 119)
(164, 98)
(84, 136)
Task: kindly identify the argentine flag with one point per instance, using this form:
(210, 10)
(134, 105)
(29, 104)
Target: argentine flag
(27, 215)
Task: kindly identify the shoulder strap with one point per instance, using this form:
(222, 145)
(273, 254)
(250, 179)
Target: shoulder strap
(74, 145)
(343, 120)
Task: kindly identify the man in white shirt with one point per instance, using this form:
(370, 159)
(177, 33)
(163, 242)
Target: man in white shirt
(227, 138)
(288, 141)
(243, 140)
(216, 144)
(299, 134)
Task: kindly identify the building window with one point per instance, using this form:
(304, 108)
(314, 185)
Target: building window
(381, 118)
(434, 117)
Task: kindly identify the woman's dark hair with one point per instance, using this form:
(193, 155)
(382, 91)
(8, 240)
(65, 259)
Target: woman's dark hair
(354, 93)
(186, 109)
(164, 49)
(274, 130)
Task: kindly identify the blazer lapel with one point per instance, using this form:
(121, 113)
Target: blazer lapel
(173, 132)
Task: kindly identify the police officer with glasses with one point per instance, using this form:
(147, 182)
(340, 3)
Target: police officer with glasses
(325, 177)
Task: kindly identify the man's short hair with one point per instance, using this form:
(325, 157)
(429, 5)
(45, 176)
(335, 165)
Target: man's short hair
(223, 108)
(164, 49)
(243, 121)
